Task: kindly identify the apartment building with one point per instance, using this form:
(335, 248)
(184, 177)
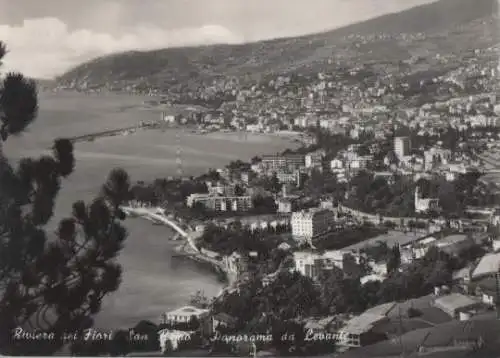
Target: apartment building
(221, 189)
(307, 224)
(402, 146)
(310, 264)
(314, 159)
(282, 162)
(289, 177)
(220, 203)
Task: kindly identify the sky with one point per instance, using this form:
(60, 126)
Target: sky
(47, 37)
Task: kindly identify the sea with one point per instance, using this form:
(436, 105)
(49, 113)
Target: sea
(154, 280)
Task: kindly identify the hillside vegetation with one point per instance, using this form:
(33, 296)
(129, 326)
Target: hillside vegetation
(454, 25)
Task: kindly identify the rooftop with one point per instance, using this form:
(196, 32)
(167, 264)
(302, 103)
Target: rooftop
(455, 301)
(441, 337)
(391, 238)
(488, 265)
(452, 239)
(363, 323)
(188, 310)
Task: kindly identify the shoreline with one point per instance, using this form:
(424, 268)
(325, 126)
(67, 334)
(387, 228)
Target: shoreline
(186, 250)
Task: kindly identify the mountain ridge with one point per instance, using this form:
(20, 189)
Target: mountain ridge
(183, 65)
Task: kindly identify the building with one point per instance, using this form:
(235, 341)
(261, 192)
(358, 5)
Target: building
(417, 250)
(455, 303)
(423, 205)
(337, 166)
(307, 224)
(488, 289)
(487, 266)
(454, 244)
(436, 156)
(360, 162)
(314, 159)
(359, 331)
(402, 146)
(310, 264)
(221, 189)
(274, 163)
(185, 314)
(223, 320)
(287, 204)
(289, 177)
(220, 203)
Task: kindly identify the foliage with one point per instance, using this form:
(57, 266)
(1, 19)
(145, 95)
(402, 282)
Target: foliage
(320, 183)
(293, 297)
(237, 238)
(199, 300)
(393, 259)
(263, 205)
(413, 312)
(375, 195)
(288, 296)
(345, 236)
(164, 191)
(51, 283)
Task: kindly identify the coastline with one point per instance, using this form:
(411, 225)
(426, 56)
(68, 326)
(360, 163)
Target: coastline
(153, 280)
(188, 248)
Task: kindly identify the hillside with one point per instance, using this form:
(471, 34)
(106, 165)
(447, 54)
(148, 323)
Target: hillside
(454, 25)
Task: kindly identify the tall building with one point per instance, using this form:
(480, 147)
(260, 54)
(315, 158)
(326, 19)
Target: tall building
(282, 162)
(307, 224)
(402, 146)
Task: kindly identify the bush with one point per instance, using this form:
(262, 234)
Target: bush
(413, 312)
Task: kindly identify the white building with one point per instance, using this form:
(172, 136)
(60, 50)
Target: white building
(221, 189)
(436, 156)
(314, 159)
(337, 165)
(402, 146)
(357, 331)
(487, 266)
(288, 177)
(361, 162)
(309, 263)
(220, 203)
(309, 223)
(185, 314)
(423, 205)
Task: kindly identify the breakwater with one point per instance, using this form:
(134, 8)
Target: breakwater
(109, 133)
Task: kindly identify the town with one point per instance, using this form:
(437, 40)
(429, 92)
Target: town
(378, 236)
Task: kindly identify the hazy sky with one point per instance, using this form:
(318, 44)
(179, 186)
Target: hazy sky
(47, 37)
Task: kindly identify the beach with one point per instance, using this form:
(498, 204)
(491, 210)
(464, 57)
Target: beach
(153, 280)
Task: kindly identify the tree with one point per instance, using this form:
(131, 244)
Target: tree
(51, 284)
(199, 300)
(393, 259)
(120, 344)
